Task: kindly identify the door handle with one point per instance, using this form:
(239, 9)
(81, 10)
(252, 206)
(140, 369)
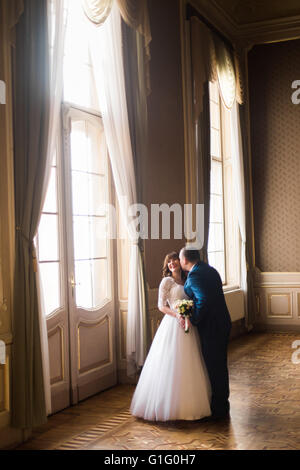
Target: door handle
(73, 283)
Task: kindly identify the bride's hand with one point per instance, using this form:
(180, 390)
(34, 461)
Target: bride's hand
(180, 320)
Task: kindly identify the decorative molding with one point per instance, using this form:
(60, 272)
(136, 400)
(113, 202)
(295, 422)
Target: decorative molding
(216, 16)
(59, 329)
(123, 333)
(99, 364)
(276, 279)
(257, 298)
(5, 384)
(248, 34)
(276, 301)
(271, 288)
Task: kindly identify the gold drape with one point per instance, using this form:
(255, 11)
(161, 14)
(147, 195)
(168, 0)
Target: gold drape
(135, 14)
(203, 61)
(31, 125)
(213, 61)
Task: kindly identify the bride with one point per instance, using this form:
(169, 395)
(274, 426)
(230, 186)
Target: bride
(173, 384)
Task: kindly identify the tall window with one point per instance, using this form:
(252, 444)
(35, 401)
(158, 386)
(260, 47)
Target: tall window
(48, 246)
(82, 164)
(224, 239)
(216, 245)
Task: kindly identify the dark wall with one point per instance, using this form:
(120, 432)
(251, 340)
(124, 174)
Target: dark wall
(275, 142)
(164, 175)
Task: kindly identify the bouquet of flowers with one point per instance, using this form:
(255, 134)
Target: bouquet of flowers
(184, 307)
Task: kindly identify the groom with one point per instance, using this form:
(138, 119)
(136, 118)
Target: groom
(211, 316)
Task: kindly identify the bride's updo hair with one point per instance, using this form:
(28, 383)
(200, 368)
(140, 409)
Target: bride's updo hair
(166, 270)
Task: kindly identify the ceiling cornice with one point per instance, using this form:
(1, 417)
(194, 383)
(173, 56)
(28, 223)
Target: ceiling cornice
(247, 35)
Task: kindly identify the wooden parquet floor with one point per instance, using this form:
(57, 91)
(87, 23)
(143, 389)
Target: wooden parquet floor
(265, 410)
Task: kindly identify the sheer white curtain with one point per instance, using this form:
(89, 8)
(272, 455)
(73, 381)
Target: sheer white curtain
(56, 32)
(107, 58)
(239, 185)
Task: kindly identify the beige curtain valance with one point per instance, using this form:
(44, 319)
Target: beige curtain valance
(212, 60)
(97, 10)
(226, 73)
(134, 13)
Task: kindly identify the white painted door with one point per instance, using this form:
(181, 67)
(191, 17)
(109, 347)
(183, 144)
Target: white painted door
(80, 274)
(90, 255)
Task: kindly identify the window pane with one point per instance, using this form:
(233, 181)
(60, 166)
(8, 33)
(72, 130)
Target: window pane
(50, 280)
(78, 146)
(216, 208)
(79, 85)
(100, 281)
(88, 148)
(91, 283)
(216, 183)
(217, 260)
(89, 237)
(96, 149)
(215, 143)
(215, 115)
(214, 91)
(51, 200)
(54, 163)
(89, 194)
(216, 237)
(48, 238)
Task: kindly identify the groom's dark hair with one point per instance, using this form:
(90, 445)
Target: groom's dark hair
(192, 256)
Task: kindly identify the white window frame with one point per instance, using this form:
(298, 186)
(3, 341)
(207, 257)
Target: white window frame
(231, 233)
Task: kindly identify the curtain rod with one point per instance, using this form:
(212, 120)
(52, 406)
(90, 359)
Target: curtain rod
(192, 11)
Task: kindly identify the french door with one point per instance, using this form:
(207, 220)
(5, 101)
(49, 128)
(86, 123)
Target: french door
(80, 275)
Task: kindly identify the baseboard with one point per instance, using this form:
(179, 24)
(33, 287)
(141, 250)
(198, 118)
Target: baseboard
(269, 328)
(238, 329)
(124, 379)
(10, 438)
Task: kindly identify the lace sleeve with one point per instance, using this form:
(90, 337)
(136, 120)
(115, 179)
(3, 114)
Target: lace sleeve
(163, 293)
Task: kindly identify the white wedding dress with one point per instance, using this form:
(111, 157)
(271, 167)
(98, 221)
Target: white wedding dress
(174, 383)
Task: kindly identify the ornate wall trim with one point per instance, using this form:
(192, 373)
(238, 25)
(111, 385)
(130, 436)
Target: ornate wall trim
(278, 297)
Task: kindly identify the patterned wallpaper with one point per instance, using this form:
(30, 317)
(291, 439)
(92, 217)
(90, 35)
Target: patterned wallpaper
(275, 141)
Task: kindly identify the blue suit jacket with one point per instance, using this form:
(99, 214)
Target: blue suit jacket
(210, 315)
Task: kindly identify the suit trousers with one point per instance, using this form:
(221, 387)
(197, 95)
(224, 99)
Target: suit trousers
(214, 352)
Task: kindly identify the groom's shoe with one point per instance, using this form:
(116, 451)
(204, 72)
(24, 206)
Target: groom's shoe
(207, 419)
(220, 416)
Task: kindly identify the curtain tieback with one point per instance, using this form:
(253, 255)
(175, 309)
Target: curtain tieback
(138, 243)
(31, 244)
